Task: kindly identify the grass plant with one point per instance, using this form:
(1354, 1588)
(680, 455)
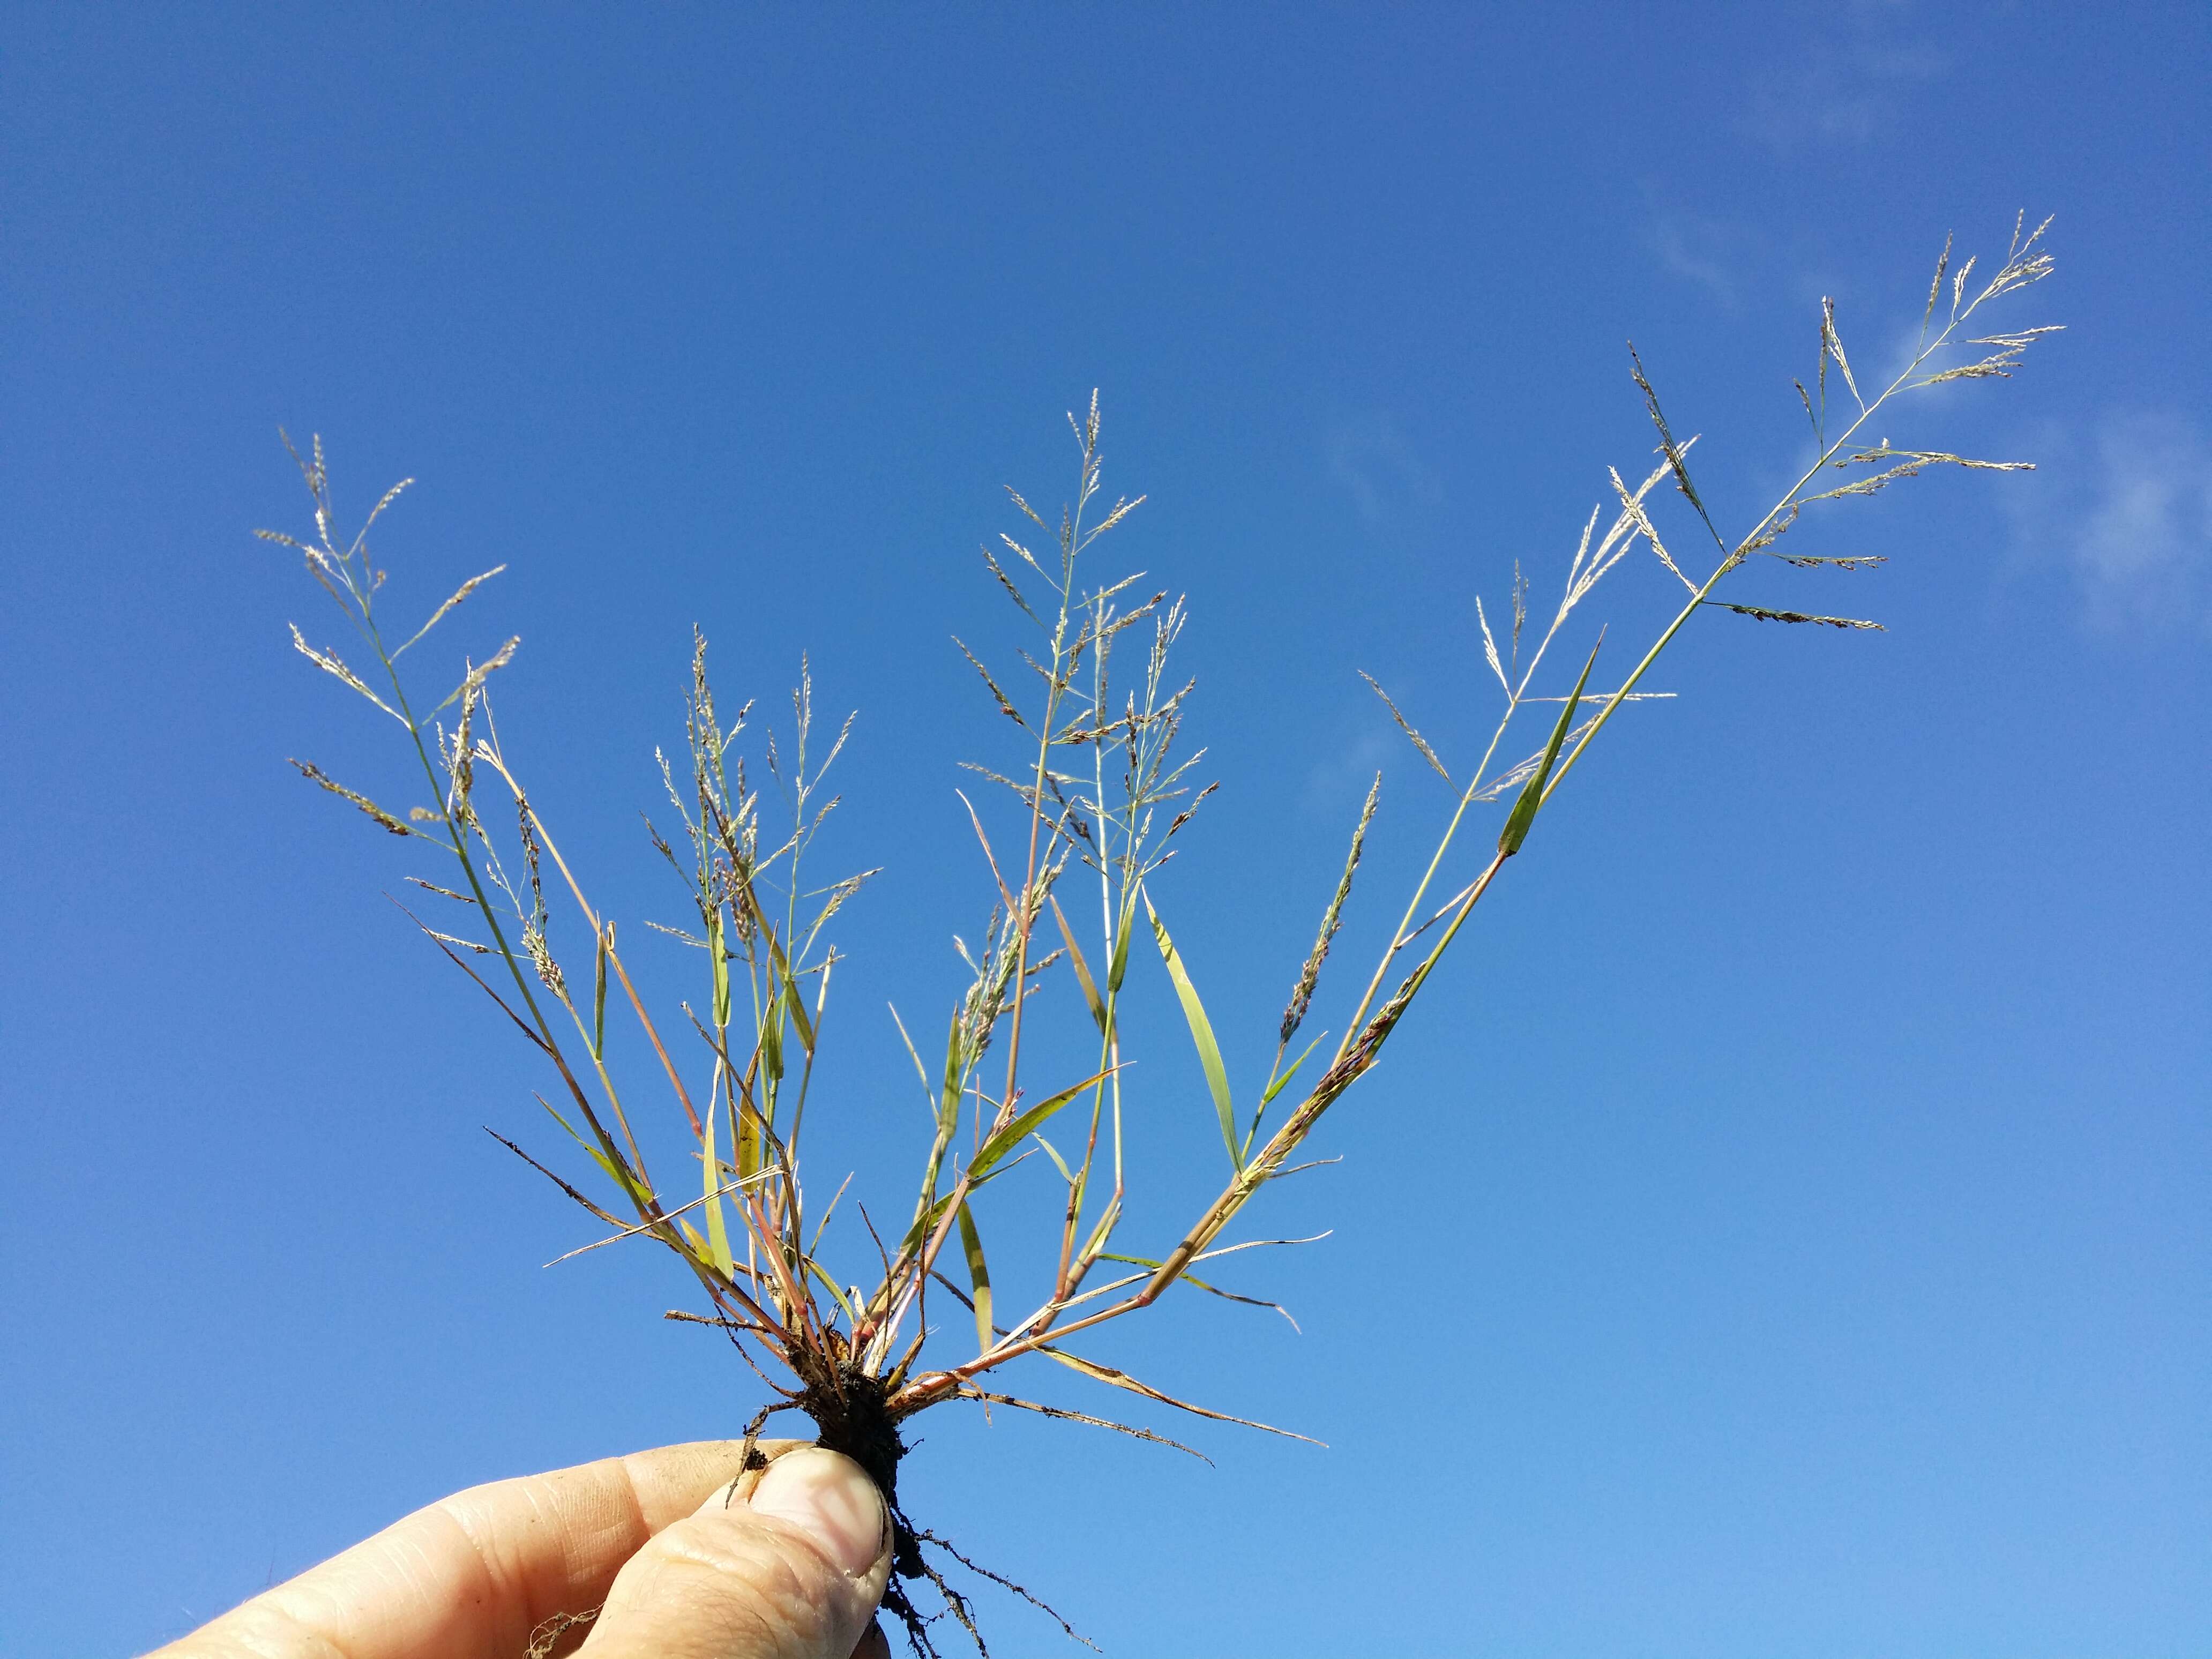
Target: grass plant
(1099, 789)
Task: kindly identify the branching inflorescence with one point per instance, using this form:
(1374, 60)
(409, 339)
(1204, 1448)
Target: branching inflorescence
(1101, 791)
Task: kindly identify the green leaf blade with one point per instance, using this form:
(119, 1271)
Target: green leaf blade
(1201, 1034)
(718, 1233)
(988, 1155)
(1091, 997)
(979, 1277)
(1532, 793)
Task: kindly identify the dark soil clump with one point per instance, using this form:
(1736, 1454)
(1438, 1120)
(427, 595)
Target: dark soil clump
(850, 1416)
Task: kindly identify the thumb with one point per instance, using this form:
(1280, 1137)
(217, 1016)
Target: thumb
(792, 1573)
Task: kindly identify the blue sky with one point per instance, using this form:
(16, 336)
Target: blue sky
(1782, 1231)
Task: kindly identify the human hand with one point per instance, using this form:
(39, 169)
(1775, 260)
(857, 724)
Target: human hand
(791, 1567)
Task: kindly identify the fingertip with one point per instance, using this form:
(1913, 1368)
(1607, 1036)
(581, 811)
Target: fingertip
(786, 1562)
(829, 1499)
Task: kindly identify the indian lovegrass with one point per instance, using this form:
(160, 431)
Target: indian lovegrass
(1100, 787)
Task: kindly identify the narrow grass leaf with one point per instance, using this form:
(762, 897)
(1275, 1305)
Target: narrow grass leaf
(830, 1285)
(1082, 969)
(1532, 793)
(979, 1277)
(949, 1110)
(1282, 1081)
(613, 1169)
(718, 1232)
(1201, 1034)
(1119, 964)
(718, 961)
(1196, 1283)
(1058, 1162)
(925, 1223)
(596, 1210)
(1117, 1379)
(600, 995)
(988, 1155)
(771, 1039)
(691, 1239)
(795, 1001)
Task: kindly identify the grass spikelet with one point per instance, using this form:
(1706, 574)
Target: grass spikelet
(1294, 1012)
(1420, 743)
(1764, 615)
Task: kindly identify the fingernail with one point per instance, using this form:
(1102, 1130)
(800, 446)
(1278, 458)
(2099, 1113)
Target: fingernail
(828, 1496)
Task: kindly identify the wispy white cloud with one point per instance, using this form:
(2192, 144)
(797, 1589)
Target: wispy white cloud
(2146, 546)
(1848, 83)
(1375, 461)
(2130, 512)
(1707, 251)
(1339, 779)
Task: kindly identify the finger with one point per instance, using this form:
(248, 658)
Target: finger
(472, 1576)
(794, 1572)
